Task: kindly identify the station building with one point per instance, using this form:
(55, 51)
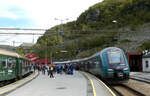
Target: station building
(146, 62)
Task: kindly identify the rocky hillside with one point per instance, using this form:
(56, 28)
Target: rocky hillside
(122, 23)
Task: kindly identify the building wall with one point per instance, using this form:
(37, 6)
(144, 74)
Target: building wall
(146, 67)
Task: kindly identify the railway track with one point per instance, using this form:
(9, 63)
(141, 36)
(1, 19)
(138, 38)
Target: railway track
(123, 90)
(142, 80)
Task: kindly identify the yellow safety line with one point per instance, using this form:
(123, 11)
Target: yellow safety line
(94, 92)
(104, 85)
(92, 84)
(17, 85)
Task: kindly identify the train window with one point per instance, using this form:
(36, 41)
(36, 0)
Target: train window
(97, 64)
(20, 62)
(94, 63)
(4, 62)
(27, 63)
(23, 64)
(11, 62)
(115, 58)
(100, 63)
(88, 65)
(146, 62)
(14, 62)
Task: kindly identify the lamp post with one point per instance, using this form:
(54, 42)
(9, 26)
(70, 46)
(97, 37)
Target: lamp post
(63, 51)
(60, 31)
(115, 22)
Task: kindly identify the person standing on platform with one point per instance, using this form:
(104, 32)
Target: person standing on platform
(34, 67)
(43, 69)
(51, 69)
(47, 67)
(38, 67)
(66, 68)
(71, 69)
(58, 68)
(61, 68)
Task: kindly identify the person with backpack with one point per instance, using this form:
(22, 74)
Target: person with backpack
(71, 69)
(43, 69)
(58, 68)
(51, 69)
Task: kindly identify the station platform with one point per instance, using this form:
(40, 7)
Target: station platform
(13, 86)
(142, 76)
(79, 84)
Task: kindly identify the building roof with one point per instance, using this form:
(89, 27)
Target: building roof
(9, 53)
(26, 45)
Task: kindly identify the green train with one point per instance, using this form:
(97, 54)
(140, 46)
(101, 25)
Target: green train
(13, 66)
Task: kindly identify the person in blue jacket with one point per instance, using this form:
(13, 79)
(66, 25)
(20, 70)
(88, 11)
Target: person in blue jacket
(58, 68)
(71, 68)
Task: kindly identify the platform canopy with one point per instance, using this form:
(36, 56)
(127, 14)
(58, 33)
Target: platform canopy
(33, 58)
(45, 61)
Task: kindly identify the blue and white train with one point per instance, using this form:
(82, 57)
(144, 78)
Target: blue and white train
(110, 64)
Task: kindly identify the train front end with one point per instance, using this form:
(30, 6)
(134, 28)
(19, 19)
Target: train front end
(117, 67)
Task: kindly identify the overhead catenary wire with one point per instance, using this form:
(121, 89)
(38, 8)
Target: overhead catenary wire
(6, 40)
(31, 29)
(85, 32)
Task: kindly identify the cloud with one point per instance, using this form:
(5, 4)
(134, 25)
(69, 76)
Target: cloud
(39, 13)
(43, 12)
(8, 10)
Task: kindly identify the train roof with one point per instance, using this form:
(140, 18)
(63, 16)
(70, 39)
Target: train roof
(9, 53)
(63, 62)
(111, 48)
(96, 54)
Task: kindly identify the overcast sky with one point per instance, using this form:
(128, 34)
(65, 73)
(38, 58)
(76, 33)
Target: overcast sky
(38, 14)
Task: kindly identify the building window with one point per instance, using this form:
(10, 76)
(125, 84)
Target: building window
(146, 62)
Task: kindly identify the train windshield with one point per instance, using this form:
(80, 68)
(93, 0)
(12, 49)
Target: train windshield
(115, 58)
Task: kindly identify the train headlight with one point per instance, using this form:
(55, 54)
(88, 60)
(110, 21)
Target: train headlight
(125, 69)
(110, 70)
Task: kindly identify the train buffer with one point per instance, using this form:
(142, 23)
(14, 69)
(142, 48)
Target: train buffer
(79, 84)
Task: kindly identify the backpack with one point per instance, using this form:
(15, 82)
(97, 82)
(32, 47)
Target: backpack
(51, 68)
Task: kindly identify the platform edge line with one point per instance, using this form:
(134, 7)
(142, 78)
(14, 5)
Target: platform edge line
(93, 88)
(113, 94)
(17, 85)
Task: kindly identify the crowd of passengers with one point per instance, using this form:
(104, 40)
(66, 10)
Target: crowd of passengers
(55, 68)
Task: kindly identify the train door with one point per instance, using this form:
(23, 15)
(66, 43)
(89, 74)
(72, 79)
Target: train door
(86, 66)
(3, 68)
(11, 62)
(19, 67)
